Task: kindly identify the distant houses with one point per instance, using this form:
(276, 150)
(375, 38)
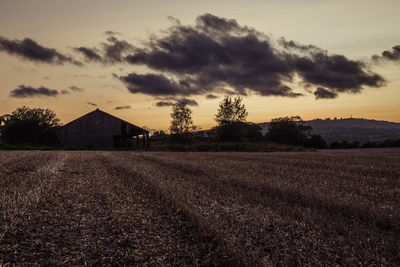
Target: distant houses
(98, 129)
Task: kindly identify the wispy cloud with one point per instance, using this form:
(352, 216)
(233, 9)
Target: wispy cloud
(123, 107)
(170, 101)
(211, 96)
(76, 88)
(89, 53)
(24, 91)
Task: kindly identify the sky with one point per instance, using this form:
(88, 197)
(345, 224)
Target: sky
(134, 59)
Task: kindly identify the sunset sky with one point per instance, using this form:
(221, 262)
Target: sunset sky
(134, 59)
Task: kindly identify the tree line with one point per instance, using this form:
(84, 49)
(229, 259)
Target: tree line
(37, 127)
(232, 126)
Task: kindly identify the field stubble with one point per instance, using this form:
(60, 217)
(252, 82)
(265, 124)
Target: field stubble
(77, 207)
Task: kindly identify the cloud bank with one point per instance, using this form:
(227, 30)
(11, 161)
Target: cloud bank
(219, 55)
(216, 55)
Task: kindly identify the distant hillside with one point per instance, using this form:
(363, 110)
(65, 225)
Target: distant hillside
(362, 130)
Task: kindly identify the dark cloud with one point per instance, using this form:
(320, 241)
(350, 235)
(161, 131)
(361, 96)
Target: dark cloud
(292, 45)
(89, 53)
(211, 96)
(189, 102)
(123, 107)
(155, 84)
(92, 104)
(393, 55)
(115, 49)
(76, 88)
(82, 75)
(214, 25)
(112, 33)
(27, 91)
(336, 72)
(324, 93)
(30, 50)
(24, 91)
(71, 89)
(170, 101)
(219, 55)
(111, 52)
(165, 103)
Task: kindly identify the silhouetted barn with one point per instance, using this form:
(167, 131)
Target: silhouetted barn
(98, 129)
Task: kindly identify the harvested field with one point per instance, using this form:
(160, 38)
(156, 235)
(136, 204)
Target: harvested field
(136, 208)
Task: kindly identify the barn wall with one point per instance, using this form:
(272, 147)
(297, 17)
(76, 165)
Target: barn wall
(95, 129)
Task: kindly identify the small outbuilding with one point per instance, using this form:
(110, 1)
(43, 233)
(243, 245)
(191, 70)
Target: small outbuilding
(98, 129)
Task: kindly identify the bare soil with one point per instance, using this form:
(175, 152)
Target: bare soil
(337, 207)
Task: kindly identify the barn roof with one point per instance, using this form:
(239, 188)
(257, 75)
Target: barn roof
(139, 129)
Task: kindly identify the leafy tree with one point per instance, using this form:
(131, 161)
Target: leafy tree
(231, 110)
(29, 126)
(182, 123)
(288, 130)
(231, 117)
